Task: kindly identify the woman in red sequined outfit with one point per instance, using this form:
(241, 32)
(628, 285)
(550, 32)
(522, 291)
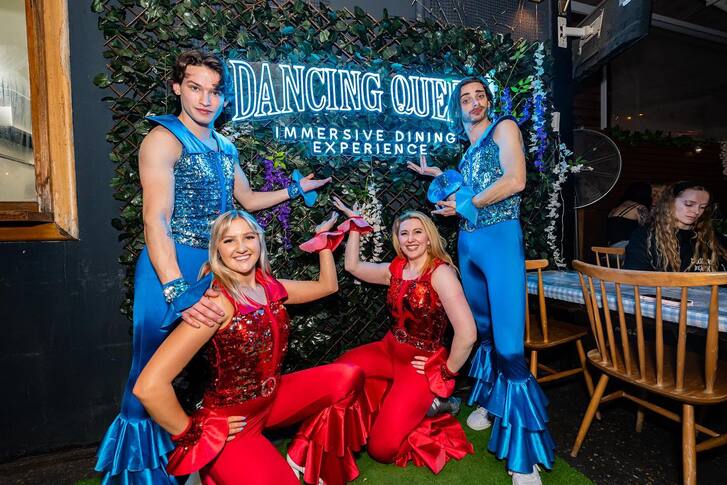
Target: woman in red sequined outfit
(410, 367)
(247, 394)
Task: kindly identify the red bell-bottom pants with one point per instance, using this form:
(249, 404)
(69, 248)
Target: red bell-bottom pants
(328, 393)
(397, 400)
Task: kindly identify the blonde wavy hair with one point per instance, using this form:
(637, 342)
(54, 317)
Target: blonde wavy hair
(436, 249)
(663, 241)
(226, 277)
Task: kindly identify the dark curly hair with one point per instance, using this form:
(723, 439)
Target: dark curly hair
(663, 239)
(198, 57)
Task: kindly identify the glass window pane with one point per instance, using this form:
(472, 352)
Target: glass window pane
(17, 171)
(672, 83)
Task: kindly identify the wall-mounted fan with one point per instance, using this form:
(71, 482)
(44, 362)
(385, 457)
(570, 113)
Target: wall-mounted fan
(601, 166)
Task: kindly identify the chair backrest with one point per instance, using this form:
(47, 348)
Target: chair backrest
(539, 265)
(598, 283)
(606, 253)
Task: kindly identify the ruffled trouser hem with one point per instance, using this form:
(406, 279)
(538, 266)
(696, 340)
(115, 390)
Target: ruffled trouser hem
(134, 452)
(519, 431)
(482, 370)
(325, 444)
(433, 443)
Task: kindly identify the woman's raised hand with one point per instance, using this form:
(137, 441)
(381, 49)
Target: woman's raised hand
(423, 168)
(328, 223)
(347, 211)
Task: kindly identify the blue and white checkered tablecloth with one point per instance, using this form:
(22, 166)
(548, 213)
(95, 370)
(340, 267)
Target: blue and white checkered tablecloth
(565, 285)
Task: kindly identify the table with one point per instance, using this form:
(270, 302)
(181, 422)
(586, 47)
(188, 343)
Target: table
(566, 286)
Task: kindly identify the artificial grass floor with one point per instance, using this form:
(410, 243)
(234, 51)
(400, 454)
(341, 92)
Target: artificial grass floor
(482, 468)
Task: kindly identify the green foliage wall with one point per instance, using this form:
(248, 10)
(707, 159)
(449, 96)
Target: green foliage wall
(142, 40)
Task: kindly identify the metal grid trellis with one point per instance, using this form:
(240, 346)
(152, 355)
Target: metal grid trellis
(137, 86)
(520, 18)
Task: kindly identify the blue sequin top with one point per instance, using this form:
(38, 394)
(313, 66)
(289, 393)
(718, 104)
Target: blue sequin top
(480, 168)
(203, 183)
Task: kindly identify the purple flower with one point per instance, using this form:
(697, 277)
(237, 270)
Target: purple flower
(276, 179)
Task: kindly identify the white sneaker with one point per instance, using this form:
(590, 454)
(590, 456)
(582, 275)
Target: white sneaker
(532, 478)
(299, 470)
(478, 419)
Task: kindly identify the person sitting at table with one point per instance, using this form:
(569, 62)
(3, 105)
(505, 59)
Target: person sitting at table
(680, 235)
(632, 212)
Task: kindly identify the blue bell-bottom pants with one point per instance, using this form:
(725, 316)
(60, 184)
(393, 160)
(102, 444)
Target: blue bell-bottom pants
(492, 262)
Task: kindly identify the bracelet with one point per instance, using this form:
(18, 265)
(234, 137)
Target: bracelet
(173, 289)
(446, 373)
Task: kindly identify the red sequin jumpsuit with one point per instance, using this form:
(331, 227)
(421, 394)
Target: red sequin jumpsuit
(397, 396)
(246, 359)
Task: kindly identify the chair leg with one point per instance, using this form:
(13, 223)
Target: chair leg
(590, 412)
(584, 366)
(586, 374)
(534, 363)
(689, 445)
(639, 420)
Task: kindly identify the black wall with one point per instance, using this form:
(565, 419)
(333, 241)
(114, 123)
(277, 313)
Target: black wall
(65, 348)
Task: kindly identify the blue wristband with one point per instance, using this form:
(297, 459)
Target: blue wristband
(308, 197)
(465, 207)
(173, 289)
(294, 190)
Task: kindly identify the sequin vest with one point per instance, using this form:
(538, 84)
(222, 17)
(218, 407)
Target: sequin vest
(480, 168)
(419, 317)
(246, 356)
(203, 183)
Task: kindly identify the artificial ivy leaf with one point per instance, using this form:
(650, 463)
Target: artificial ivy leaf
(97, 6)
(102, 80)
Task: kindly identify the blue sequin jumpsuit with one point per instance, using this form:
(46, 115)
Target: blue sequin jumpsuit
(492, 262)
(134, 449)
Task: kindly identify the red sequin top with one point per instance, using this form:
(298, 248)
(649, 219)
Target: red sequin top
(419, 317)
(246, 356)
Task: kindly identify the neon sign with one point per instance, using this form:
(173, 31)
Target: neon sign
(264, 91)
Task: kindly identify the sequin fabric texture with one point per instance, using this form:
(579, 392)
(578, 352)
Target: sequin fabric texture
(203, 189)
(419, 317)
(480, 167)
(246, 356)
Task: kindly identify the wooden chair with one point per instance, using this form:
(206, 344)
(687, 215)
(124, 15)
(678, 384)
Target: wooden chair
(689, 378)
(544, 334)
(607, 254)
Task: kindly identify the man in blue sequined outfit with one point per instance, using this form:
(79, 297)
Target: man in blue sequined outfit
(189, 175)
(492, 262)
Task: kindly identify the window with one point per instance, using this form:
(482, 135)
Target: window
(37, 174)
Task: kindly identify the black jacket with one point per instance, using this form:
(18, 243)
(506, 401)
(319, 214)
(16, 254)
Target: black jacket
(639, 257)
